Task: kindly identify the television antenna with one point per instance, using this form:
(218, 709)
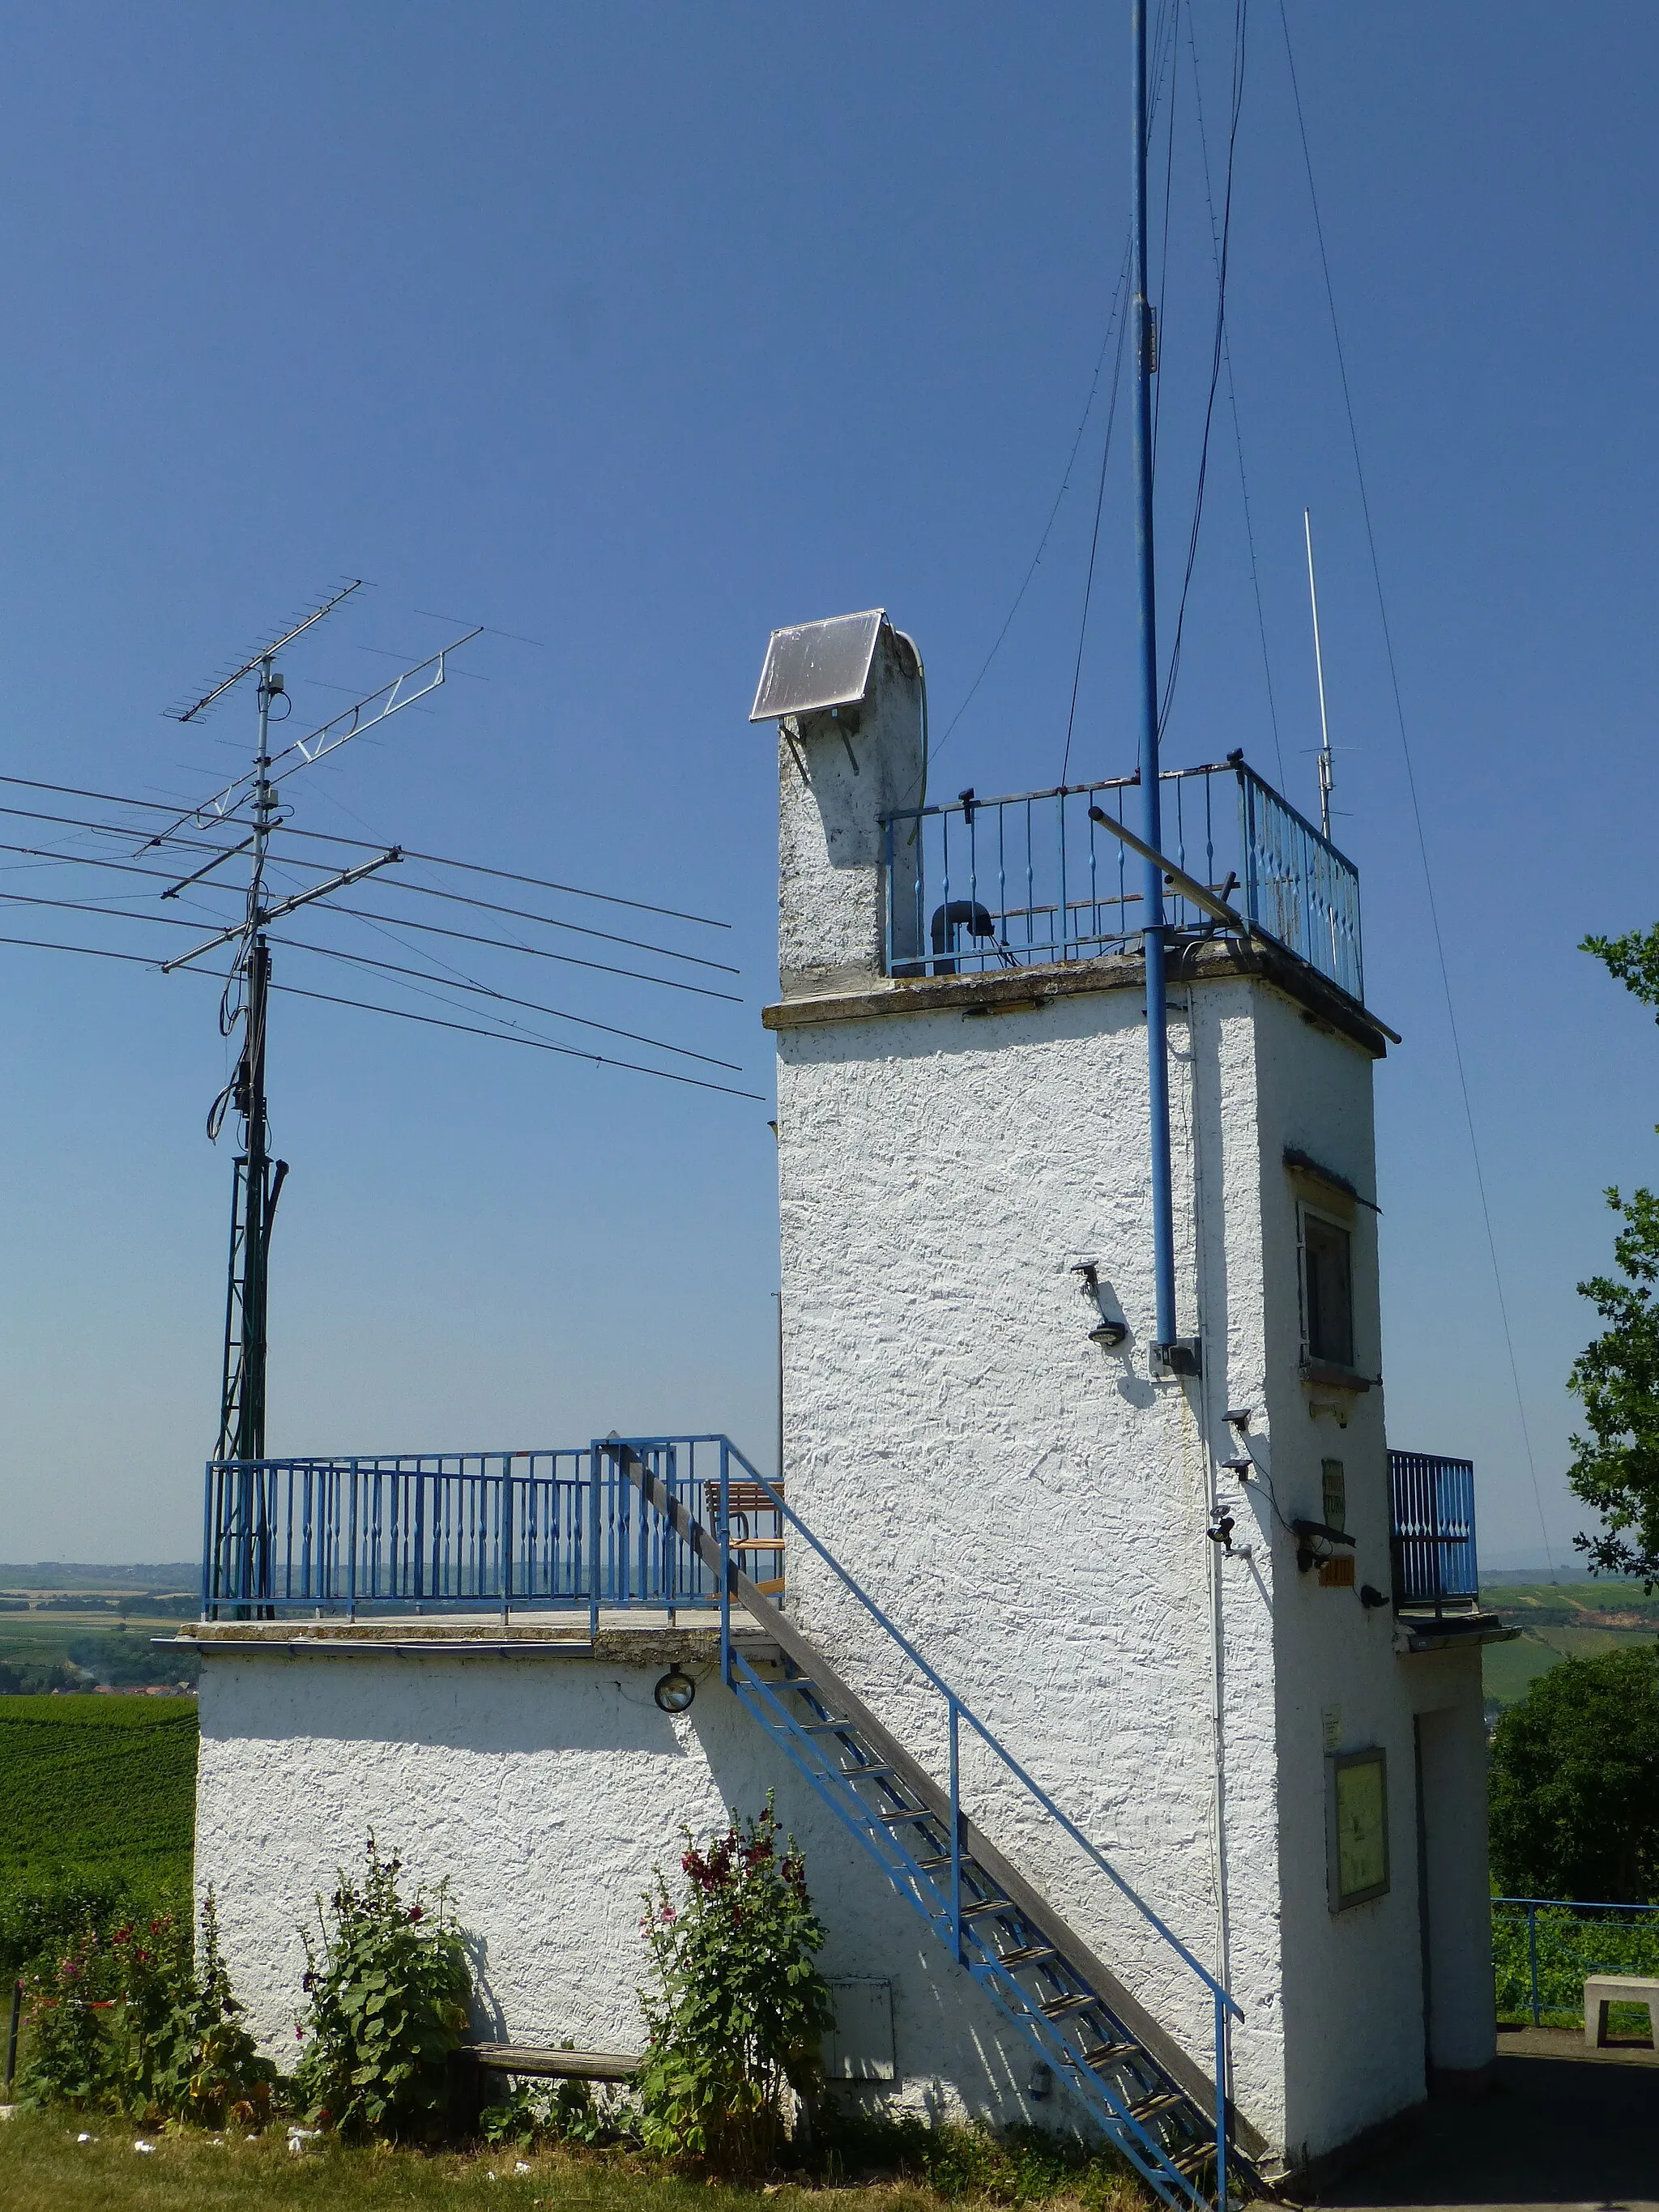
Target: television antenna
(251, 799)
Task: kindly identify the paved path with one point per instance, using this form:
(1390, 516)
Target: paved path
(1564, 2127)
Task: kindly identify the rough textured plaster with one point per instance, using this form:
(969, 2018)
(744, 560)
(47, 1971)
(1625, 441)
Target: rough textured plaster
(545, 1792)
(1030, 1508)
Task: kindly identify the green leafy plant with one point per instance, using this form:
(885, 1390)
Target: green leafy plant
(71, 2059)
(737, 2006)
(389, 1990)
(182, 2052)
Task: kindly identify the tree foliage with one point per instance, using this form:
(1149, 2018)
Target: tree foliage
(1575, 1783)
(739, 2006)
(1615, 1467)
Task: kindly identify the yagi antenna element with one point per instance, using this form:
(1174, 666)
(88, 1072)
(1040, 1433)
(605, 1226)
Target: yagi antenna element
(225, 682)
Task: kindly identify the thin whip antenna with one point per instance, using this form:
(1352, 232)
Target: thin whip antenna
(1325, 764)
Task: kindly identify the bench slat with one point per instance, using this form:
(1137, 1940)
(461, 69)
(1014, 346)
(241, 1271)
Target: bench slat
(556, 2065)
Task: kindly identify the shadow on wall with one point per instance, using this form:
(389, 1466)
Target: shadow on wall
(475, 1705)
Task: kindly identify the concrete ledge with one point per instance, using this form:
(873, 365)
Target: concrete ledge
(651, 1644)
(1014, 990)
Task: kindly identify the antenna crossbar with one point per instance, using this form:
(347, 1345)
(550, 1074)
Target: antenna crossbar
(262, 916)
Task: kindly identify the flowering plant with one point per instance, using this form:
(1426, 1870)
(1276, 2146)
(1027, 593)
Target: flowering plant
(389, 1990)
(737, 2006)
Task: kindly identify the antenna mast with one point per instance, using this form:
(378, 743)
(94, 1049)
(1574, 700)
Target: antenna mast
(1325, 761)
(1157, 1050)
(259, 1179)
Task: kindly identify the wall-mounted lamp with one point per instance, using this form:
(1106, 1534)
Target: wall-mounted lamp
(1042, 2082)
(1371, 1598)
(675, 1692)
(1220, 1530)
(1113, 1329)
(1238, 1417)
(1243, 1469)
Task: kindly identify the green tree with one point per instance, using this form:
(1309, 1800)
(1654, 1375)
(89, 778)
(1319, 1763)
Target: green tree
(1575, 1783)
(1615, 1467)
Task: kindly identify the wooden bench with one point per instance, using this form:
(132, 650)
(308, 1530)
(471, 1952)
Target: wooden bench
(1602, 1990)
(469, 2066)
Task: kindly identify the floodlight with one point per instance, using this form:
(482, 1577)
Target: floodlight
(812, 667)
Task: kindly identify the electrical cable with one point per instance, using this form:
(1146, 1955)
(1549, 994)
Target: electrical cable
(431, 928)
(460, 984)
(1065, 486)
(176, 921)
(1119, 297)
(1239, 12)
(1094, 542)
(434, 860)
(1232, 402)
(1411, 786)
(399, 1014)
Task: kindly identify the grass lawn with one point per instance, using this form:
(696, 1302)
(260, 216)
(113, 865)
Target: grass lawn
(97, 1785)
(43, 2168)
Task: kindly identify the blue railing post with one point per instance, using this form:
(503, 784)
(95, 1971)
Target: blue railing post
(351, 1542)
(956, 1836)
(595, 1462)
(504, 1538)
(209, 1548)
(725, 1535)
(1532, 1958)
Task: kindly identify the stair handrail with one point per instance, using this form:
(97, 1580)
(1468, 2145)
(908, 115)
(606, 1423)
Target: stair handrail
(955, 1705)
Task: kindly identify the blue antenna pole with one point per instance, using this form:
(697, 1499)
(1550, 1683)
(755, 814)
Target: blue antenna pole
(1157, 1056)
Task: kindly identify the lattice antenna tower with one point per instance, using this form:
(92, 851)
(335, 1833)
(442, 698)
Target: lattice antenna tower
(252, 802)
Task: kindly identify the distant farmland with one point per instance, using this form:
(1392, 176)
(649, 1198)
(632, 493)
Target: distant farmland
(104, 1787)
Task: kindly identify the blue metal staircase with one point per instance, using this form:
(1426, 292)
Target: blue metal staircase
(1168, 2116)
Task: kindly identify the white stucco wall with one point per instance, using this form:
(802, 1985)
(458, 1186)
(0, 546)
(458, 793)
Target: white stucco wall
(545, 1791)
(1031, 1510)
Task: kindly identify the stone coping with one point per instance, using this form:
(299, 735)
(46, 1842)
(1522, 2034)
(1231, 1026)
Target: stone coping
(1018, 990)
(627, 1640)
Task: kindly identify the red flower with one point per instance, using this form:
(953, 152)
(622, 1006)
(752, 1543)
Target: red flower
(416, 1913)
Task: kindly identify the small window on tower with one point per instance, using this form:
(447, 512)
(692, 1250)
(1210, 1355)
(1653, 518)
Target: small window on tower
(1326, 1291)
(1336, 1494)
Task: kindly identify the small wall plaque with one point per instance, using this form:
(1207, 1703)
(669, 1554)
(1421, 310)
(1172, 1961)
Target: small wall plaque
(1358, 1819)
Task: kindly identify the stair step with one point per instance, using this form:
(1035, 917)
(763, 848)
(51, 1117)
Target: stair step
(895, 1820)
(1111, 2054)
(1080, 2000)
(985, 1903)
(870, 1773)
(827, 1728)
(1193, 2158)
(1028, 1955)
(1161, 2100)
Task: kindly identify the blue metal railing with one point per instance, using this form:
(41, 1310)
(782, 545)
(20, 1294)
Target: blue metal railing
(463, 1532)
(1034, 877)
(1432, 1531)
(1543, 1969)
(762, 1697)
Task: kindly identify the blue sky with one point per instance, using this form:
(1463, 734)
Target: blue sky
(636, 329)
